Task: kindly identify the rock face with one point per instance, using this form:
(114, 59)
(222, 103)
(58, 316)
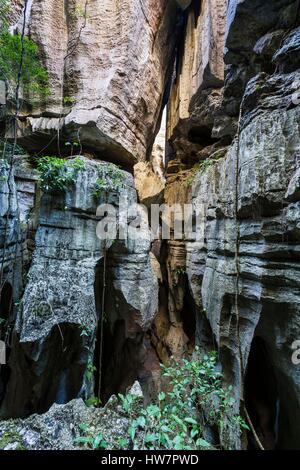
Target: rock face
(107, 74)
(196, 94)
(242, 274)
(85, 313)
(57, 321)
(61, 427)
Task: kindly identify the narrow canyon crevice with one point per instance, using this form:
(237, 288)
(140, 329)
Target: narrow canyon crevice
(261, 396)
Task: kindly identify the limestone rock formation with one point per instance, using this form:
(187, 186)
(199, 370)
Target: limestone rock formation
(61, 427)
(107, 74)
(62, 298)
(242, 274)
(86, 319)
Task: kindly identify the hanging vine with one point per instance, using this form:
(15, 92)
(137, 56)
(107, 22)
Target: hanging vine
(237, 278)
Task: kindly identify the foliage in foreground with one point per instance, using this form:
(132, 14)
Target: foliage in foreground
(194, 399)
(58, 174)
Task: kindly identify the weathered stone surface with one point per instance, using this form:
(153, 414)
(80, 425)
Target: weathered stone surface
(158, 155)
(201, 68)
(110, 62)
(249, 219)
(287, 55)
(60, 298)
(237, 286)
(150, 186)
(59, 428)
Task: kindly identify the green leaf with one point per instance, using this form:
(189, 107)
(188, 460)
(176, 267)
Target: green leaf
(83, 426)
(191, 421)
(202, 443)
(151, 438)
(141, 421)
(97, 441)
(83, 440)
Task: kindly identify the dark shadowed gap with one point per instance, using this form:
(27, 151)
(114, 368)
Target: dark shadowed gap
(5, 301)
(261, 395)
(56, 377)
(201, 135)
(5, 309)
(189, 316)
(120, 358)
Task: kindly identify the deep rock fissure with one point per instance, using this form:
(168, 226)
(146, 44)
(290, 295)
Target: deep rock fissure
(261, 396)
(116, 355)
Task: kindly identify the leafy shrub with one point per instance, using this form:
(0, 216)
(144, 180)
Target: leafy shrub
(4, 17)
(34, 77)
(57, 174)
(68, 100)
(194, 399)
(110, 178)
(180, 270)
(91, 442)
(93, 401)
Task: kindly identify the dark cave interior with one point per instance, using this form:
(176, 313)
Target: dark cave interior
(261, 396)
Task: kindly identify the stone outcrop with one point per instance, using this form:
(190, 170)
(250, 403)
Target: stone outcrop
(196, 93)
(62, 299)
(243, 271)
(107, 74)
(61, 427)
(231, 148)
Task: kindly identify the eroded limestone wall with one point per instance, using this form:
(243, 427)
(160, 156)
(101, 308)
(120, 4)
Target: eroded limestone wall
(243, 272)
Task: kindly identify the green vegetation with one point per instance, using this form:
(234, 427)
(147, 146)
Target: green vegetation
(174, 422)
(85, 331)
(91, 442)
(4, 18)
(90, 370)
(34, 77)
(110, 178)
(72, 145)
(68, 101)
(200, 167)
(180, 270)
(194, 398)
(11, 438)
(93, 401)
(58, 174)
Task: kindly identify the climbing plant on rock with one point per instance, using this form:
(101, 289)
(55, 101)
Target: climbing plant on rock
(33, 77)
(110, 178)
(58, 174)
(194, 399)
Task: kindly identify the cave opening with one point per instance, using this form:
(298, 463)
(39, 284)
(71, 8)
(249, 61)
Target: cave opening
(189, 315)
(201, 135)
(6, 300)
(116, 354)
(261, 396)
